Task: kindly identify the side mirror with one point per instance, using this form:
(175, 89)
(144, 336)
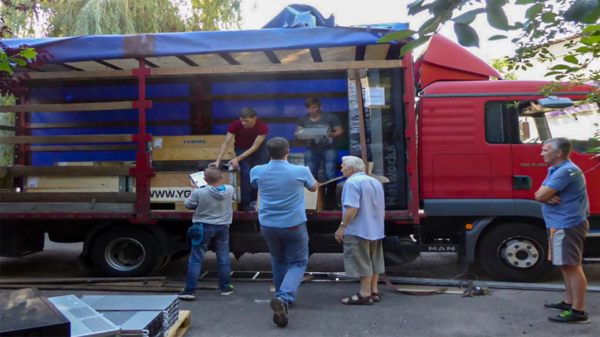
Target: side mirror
(555, 102)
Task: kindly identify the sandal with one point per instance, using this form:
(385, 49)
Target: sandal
(358, 299)
(376, 297)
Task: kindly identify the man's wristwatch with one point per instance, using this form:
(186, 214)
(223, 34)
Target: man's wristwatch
(342, 225)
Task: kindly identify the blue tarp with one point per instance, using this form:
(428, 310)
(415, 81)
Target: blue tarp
(311, 31)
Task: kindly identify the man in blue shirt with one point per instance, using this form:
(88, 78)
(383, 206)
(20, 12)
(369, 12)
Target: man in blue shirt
(362, 230)
(282, 216)
(566, 209)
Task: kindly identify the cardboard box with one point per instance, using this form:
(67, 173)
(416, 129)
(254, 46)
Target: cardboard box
(74, 184)
(202, 147)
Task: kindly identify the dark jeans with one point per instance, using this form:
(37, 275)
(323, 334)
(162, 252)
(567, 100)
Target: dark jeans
(313, 159)
(260, 157)
(289, 257)
(220, 234)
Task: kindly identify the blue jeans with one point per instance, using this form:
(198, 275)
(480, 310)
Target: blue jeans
(313, 158)
(260, 157)
(220, 234)
(289, 256)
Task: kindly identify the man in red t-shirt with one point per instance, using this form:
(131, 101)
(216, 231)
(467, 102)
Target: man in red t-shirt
(249, 134)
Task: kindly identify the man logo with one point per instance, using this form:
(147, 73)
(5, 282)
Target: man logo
(442, 248)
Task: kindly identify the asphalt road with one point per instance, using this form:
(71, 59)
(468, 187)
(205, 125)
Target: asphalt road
(318, 311)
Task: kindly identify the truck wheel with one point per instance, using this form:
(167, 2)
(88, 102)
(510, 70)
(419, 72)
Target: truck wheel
(515, 252)
(126, 252)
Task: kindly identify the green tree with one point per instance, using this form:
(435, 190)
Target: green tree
(544, 22)
(503, 65)
(99, 17)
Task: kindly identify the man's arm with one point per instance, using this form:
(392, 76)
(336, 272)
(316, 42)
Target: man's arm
(337, 132)
(348, 217)
(545, 194)
(223, 149)
(192, 201)
(255, 146)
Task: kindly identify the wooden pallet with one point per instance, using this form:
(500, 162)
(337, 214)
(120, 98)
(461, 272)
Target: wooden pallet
(182, 325)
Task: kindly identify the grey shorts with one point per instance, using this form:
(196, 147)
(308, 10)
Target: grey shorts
(362, 257)
(565, 246)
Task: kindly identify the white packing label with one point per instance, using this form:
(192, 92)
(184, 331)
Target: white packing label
(158, 143)
(32, 181)
(375, 96)
(61, 163)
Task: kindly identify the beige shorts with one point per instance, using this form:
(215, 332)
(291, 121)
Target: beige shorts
(363, 257)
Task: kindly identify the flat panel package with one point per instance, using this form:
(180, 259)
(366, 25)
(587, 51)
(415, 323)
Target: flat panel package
(85, 321)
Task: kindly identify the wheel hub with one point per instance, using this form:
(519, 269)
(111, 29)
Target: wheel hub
(520, 253)
(125, 254)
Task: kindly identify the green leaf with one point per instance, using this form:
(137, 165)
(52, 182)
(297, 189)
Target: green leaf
(560, 67)
(467, 36)
(469, 16)
(20, 62)
(592, 28)
(552, 73)
(548, 17)
(580, 9)
(524, 2)
(571, 59)
(496, 17)
(4, 66)
(497, 37)
(593, 16)
(429, 26)
(582, 50)
(28, 53)
(533, 11)
(412, 45)
(399, 35)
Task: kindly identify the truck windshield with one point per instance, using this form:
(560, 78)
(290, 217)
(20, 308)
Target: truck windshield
(581, 124)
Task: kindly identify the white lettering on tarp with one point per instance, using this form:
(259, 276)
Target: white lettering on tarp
(170, 193)
(391, 187)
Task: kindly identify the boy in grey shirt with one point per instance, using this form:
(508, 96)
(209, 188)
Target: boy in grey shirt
(212, 217)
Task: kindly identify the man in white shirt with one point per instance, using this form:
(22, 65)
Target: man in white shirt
(362, 230)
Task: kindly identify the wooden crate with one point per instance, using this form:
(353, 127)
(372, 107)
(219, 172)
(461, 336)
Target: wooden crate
(74, 184)
(203, 147)
(171, 189)
(181, 326)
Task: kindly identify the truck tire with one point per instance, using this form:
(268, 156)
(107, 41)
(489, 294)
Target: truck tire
(126, 252)
(516, 252)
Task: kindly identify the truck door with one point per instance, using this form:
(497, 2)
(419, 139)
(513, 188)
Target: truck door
(532, 126)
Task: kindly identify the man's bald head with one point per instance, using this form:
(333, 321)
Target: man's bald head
(212, 174)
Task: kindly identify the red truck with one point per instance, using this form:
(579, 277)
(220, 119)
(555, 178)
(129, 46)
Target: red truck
(461, 151)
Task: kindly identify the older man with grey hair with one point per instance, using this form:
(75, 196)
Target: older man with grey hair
(565, 207)
(362, 230)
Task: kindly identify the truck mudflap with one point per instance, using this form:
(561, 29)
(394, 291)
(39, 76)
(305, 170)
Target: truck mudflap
(472, 236)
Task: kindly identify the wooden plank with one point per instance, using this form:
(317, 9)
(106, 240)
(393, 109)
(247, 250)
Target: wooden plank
(98, 106)
(204, 153)
(338, 54)
(93, 287)
(79, 280)
(7, 128)
(209, 60)
(251, 58)
(65, 207)
(83, 148)
(69, 171)
(95, 163)
(89, 66)
(106, 124)
(82, 184)
(167, 62)
(220, 69)
(183, 322)
(110, 197)
(66, 139)
(180, 142)
(376, 52)
(361, 115)
(294, 56)
(125, 64)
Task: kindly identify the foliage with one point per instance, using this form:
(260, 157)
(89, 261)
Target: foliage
(100, 17)
(544, 22)
(502, 65)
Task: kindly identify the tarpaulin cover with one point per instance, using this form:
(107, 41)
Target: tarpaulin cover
(321, 33)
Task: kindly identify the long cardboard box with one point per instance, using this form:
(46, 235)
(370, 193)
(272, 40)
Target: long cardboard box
(201, 147)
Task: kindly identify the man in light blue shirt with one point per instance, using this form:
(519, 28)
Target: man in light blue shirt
(566, 209)
(362, 230)
(282, 216)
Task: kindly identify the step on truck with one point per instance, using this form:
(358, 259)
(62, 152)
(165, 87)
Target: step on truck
(110, 129)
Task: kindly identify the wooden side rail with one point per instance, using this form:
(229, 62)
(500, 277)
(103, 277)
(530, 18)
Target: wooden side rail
(99, 106)
(106, 197)
(67, 171)
(83, 148)
(66, 139)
